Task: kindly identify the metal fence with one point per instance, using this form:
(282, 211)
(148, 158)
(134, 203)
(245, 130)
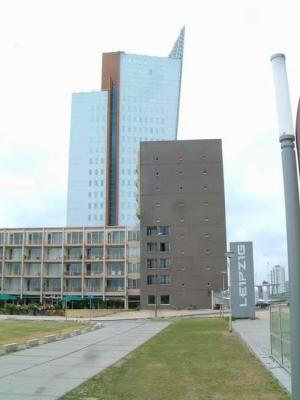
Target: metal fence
(280, 332)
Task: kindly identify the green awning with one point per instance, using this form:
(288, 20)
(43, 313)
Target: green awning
(72, 298)
(5, 296)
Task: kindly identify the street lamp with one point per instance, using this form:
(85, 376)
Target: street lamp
(292, 211)
(229, 255)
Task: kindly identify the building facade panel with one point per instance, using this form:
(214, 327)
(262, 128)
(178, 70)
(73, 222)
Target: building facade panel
(183, 235)
(86, 202)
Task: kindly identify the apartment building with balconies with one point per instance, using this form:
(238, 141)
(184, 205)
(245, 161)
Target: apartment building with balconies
(49, 264)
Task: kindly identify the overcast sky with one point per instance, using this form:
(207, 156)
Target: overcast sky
(50, 49)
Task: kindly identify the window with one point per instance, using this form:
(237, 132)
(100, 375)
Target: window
(116, 237)
(157, 204)
(94, 253)
(151, 247)
(164, 230)
(181, 204)
(164, 299)
(164, 279)
(151, 231)
(156, 173)
(151, 263)
(115, 253)
(133, 236)
(164, 246)
(133, 268)
(75, 238)
(95, 237)
(151, 279)
(206, 235)
(180, 172)
(181, 219)
(204, 172)
(133, 252)
(15, 238)
(115, 269)
(133, 283)
(151, 300)
(35, 238)
(205, 203)
(164, 262)
(157, 189)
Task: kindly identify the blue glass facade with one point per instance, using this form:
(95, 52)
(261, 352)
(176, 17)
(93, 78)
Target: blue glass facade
(87, 160)
(149, 98)
(141, 96)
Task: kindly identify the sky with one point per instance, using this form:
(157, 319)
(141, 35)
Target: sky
(50, 49)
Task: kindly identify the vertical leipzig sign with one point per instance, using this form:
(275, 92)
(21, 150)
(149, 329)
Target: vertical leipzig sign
(242, 280)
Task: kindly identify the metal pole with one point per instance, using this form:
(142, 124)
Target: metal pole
(291, 195)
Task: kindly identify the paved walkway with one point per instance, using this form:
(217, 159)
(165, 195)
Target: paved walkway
(49, 371)
(256, 334)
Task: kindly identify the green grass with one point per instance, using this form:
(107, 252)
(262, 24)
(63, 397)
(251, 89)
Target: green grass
(191, 359)
(19, 331)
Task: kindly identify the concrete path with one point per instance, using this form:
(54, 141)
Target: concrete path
(49, 371)
(256, 334)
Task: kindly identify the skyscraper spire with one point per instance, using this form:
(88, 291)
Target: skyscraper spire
(177, 50)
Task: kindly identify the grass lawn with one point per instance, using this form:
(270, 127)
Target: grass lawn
(191, 359)
(19, 331)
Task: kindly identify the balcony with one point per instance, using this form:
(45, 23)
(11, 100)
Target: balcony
(52, 285)
(115, 285)
(12, 270)
(32, 285)
(115, 253)
(74, 254)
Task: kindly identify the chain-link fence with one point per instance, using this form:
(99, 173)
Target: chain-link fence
(280, 332)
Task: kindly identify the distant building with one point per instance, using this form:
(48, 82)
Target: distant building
(182, 213)
(277, 278)
(138, 101)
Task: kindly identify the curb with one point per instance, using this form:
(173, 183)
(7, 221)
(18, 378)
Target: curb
(14, 347)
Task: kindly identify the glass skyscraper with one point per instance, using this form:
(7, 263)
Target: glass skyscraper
(139, 101)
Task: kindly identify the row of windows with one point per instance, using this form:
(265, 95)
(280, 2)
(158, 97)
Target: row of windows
(90, 205)
(180, 158)
(154, 247)
(96, 172)
(158, 189)
(143, 120)
(203, 171)
(164, 299)
(90, 194)
(158, 262)
(142, 130)
(97, 237)
(96, 159)
(161, 279)
(53, 269)
(158, 231)
(96, 183)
